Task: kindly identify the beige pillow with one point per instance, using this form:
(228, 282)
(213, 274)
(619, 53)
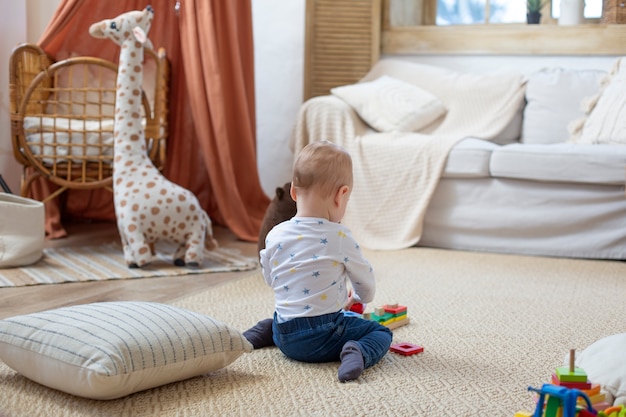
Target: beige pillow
(388, 104)
(553, 97)
(109, 350)
(606, 119)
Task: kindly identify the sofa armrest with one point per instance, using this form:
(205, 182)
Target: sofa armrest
(326, 118)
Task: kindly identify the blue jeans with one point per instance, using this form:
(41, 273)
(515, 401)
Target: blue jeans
(321, 338)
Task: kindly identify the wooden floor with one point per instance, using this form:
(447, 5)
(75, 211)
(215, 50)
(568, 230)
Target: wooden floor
(22, 300)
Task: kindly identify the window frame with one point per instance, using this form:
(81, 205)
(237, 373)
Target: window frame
(547, 38)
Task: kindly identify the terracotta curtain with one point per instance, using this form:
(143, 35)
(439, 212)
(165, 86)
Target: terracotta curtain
(211, 148)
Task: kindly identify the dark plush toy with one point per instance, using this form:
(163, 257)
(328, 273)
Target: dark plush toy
(281, 208)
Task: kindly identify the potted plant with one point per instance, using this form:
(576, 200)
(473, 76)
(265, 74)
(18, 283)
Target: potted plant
(533, 10)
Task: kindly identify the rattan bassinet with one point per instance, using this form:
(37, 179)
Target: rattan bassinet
(62, 116)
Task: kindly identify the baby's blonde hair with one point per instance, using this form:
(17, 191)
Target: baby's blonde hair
(323, 167)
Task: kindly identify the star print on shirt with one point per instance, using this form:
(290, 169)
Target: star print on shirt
(306, 291)
(316, 274)
(324, 241)
(345, 260)
(286, 287)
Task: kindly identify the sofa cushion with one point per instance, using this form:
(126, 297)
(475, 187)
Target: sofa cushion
(388, 104)
(554, 98)
(469, 159)
(561, 162)
(606, 122)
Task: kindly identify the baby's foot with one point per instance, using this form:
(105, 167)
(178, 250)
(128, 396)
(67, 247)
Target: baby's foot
(351, 362)
(261, 334)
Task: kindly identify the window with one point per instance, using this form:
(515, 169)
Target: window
(468, 12)
(410, 27)
(593, 9)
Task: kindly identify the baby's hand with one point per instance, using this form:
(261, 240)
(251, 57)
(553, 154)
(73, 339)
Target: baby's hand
(350, 301)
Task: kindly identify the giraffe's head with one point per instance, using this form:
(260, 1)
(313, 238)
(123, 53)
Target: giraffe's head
(130, 25)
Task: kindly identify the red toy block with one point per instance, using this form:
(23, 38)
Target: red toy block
(357, 308)
(406, 349)
(578, 385)
(394, 308)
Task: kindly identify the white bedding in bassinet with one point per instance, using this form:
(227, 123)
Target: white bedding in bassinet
(63, 138)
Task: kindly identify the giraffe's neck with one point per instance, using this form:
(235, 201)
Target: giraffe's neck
(129, 133)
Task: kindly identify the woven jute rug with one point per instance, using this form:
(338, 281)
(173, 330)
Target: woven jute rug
(106, 261)
(491, 325)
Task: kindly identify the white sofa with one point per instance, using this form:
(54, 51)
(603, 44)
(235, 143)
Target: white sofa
(535, 188)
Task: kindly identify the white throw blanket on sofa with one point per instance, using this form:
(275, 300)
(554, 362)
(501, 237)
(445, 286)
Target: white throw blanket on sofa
(396, 173)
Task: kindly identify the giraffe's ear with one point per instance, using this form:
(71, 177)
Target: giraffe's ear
(140, 35)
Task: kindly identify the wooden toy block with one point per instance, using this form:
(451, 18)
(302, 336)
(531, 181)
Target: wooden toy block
(357, 308)
(400, 316)
(566, 375)
(398, 323)
(552, 407)
(382, 318)
(406, 349)
(584, 386)
(379, 311)
(394, 309)
(571, 373)
(601, 406)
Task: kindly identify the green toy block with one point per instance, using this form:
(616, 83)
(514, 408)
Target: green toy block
(381, 319)
(552, 407)
(565, 375)
(400, 316)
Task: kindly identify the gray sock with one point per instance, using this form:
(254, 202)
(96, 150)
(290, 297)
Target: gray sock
(351, 362)
(261, 334)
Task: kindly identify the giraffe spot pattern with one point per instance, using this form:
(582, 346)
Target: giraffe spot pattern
(148, 207)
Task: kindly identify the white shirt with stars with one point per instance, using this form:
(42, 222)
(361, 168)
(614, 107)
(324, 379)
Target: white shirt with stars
(308, 262)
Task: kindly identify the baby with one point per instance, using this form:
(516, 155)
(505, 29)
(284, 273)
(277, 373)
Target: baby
(311, 261)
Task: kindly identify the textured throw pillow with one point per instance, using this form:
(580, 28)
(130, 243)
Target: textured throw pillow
(553, 101)
(388, 104)
(604, 362)
(606, 120)
(109, 350)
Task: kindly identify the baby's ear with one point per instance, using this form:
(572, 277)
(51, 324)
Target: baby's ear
(343, 191)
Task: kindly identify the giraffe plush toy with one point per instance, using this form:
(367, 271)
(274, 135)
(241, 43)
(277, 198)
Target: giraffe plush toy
(148, 207)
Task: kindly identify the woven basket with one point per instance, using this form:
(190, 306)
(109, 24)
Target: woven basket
(614, 11)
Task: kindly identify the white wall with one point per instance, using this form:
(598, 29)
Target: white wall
(279, 59)
(12, 22)
(21, 21)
